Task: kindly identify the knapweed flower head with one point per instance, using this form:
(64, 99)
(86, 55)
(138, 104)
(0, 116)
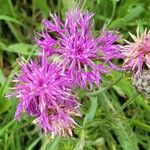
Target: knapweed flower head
(137, 53)
(43, 92)
(84, 56)
(141, 82)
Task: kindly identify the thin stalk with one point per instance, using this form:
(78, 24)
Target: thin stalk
(105, 88)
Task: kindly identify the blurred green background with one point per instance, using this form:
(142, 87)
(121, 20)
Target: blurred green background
(115, 117)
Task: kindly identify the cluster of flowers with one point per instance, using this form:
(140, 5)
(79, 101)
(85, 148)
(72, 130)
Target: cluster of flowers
(71, 56)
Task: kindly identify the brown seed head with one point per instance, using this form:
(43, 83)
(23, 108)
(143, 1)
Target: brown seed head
(141, 82)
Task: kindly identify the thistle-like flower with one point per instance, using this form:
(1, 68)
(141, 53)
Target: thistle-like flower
(43, 92)
(84, 56)
(137, 53)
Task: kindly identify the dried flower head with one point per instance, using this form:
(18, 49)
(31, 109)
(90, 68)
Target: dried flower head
(43, 92)
(142, 82)
(137, 53)
(84, 56)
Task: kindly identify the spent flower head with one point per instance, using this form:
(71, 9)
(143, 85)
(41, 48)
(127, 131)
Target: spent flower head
(141, 82)
(43, 92)
(85, 57)
(137, 53)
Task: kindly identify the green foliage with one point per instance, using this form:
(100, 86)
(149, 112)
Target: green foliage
(115, 117)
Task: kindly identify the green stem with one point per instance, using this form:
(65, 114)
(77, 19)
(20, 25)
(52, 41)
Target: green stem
(82, 4)
(105, 88)
(113, 12)
(2, 130)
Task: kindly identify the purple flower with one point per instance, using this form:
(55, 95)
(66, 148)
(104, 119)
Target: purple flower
(84, 56)
(137, 53)
(43, 92)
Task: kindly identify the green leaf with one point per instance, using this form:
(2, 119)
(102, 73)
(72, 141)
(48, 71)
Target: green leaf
(4, 105)
(80, 145)
(117, 23)
(123, 130)
(133, 12)
(69, 4)
(21, 48)
(138, 123)
(142, 125)
(10, 19)
(4, 128)
(2, 77)
(33, 144)
(6, 7)
(92, 110)
(119, 90)
(15, 32)
(43, 6)
(54, 145)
